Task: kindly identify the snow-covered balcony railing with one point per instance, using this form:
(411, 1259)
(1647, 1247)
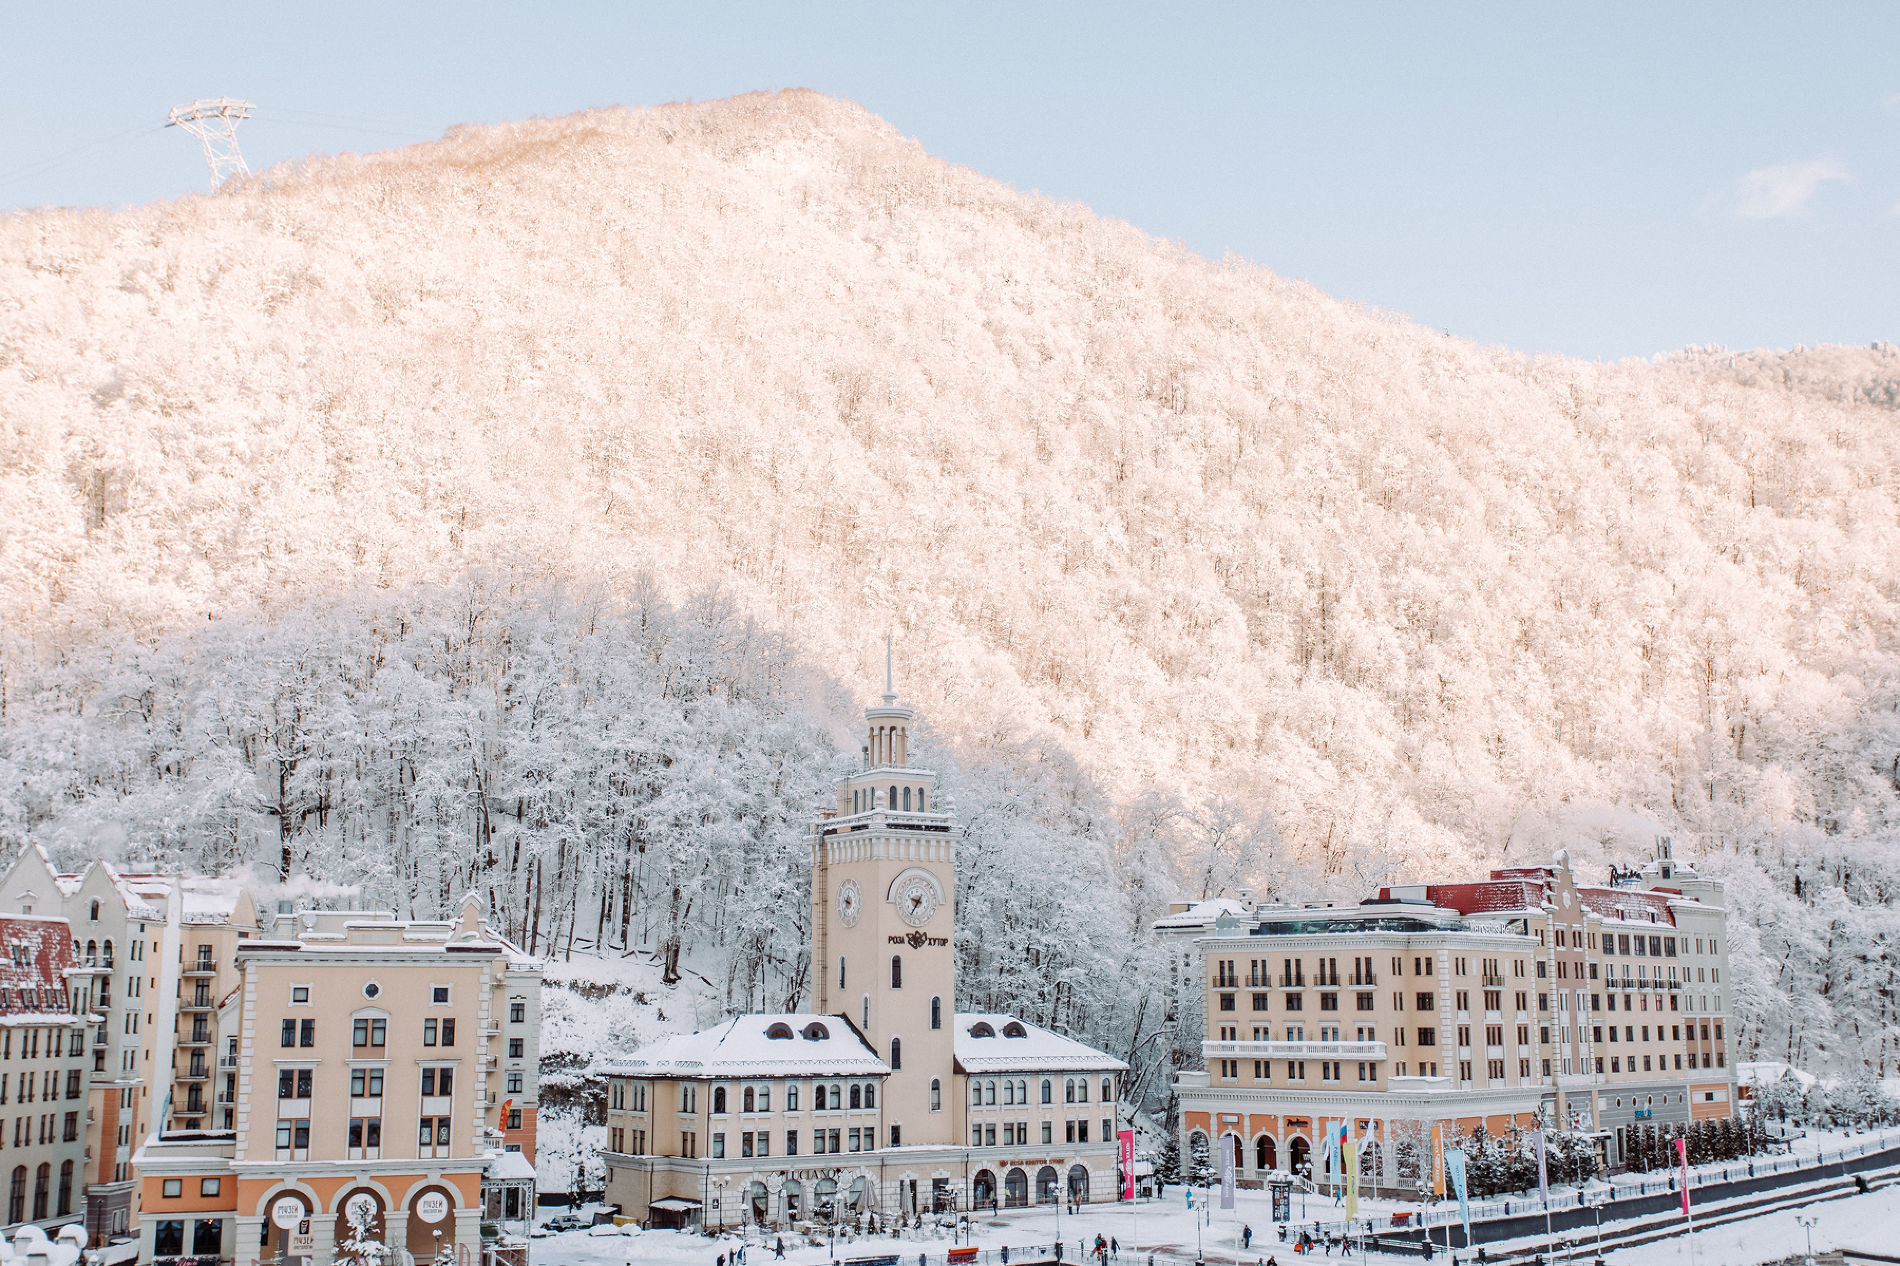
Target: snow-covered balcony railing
(1420, 1085)
(1293, 1050)
(898, 820)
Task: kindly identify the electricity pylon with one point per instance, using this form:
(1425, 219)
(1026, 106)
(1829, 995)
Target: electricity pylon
(214, 123)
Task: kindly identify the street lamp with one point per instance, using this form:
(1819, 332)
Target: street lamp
(438, 1246)
(1598, 1205)
(1807, 1224)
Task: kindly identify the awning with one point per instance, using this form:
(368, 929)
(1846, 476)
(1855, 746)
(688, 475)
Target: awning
(674, 1204)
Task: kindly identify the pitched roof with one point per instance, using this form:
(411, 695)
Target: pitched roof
(994, 1043)
(1637, 905)
(1203, 912)
(1493, 896)
(811, 1046)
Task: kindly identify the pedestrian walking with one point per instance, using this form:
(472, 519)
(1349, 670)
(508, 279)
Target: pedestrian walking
(1246, 1236)
(1114, 1247)
(778, 1247)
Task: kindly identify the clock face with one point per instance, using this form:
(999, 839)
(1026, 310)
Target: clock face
(916, 900)
(850, 903)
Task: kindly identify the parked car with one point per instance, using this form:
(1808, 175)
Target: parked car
(567, 1222)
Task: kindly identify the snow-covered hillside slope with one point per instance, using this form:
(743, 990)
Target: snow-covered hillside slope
(1190, 525)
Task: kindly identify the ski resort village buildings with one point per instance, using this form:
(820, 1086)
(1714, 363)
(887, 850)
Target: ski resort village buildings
(1451, 1005)
(883, 1098)
(219, 1080)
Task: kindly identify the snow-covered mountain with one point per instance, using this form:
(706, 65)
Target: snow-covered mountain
(1232, 547)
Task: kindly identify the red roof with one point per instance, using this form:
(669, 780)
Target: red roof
(1495, 896)
(1633, 904)
(35, 955)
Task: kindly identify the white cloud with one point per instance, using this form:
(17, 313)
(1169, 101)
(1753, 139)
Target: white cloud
(1769, 193)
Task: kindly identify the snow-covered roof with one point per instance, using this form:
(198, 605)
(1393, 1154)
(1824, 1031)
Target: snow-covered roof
(509, 1167)
(1635, 905)
(1202, 913)
(1768, 1071)
(988, 1043)
(784, 1044)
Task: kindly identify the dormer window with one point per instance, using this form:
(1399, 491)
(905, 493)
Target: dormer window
(982, 1029)
(816, 1032)
(1014, 1029)
(780, 1032)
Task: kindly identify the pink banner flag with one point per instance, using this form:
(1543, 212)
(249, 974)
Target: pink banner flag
(1126, 1140)
(1682, 1157)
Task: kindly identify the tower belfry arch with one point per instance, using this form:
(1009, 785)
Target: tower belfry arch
(214, 120)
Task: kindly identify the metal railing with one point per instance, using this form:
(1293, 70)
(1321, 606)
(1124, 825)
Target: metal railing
(1293, 1050)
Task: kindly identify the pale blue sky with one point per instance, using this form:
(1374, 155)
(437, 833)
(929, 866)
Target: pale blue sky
(1602, 180)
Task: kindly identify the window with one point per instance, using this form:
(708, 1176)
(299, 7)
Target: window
(719, 1102)
(440, 1081)
(517, 1012)
(897, 971)
(366, 1083)
(210, 1186)
(300, 995)
(289, 1035)
(1227, 1002)
(1428, 1037)
(306, 1033)
(897, 1057)
(1048, 1090)
(439, 995)
(174, 1188)
(936, 1013)
(374, 1031)
(515, 1047)
(428, 1032)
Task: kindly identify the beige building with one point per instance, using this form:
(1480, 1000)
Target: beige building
(1451, 1005)
(377, 1071)
(883, 1098)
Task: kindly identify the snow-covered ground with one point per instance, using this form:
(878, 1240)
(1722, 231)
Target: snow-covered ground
(1167, 1225)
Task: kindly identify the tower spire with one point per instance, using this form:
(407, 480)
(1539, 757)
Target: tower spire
(890, 694)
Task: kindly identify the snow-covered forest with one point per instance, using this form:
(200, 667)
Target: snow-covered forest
(526, 510)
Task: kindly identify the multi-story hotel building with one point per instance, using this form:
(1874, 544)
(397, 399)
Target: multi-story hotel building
(376, 1071)
(44, 1071)
(1451, 1005)
(131, 935)
(882, 1098)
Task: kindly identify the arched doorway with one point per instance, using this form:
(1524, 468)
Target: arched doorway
(858, 1191)
(824, 1199)
(282, 1212)
(1015, 1189)
(1046, 1187)
(793, 1196)
(759, 1202)
(1296, 1154)
(359, 1217)
(1079, 1183)
(1264, 1153)
(983, 1190)
(431, 1210)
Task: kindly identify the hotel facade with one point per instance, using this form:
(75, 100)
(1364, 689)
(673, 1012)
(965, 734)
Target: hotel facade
(374, 1077)
(882, 1099)
(1453, 1005)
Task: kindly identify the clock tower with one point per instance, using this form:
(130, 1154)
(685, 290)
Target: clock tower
(883, 910)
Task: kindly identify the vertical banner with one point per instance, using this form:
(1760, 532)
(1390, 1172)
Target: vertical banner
(1332, 1152)
(1543, 1174)
(1349, 1152)
(1229, 1144)
(1455, 1169)
(1682, 1160)
(1125, 1141)
(1438, 1160)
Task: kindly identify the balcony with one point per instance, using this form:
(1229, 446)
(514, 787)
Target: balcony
(1364, 980)
(1493, 981)
(198, 1072)
(201, 967)
(226, 1098)
(227, 1061)
(201, 1003)
(1293, 1050)
(196, 1039)
(1420, 1085)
